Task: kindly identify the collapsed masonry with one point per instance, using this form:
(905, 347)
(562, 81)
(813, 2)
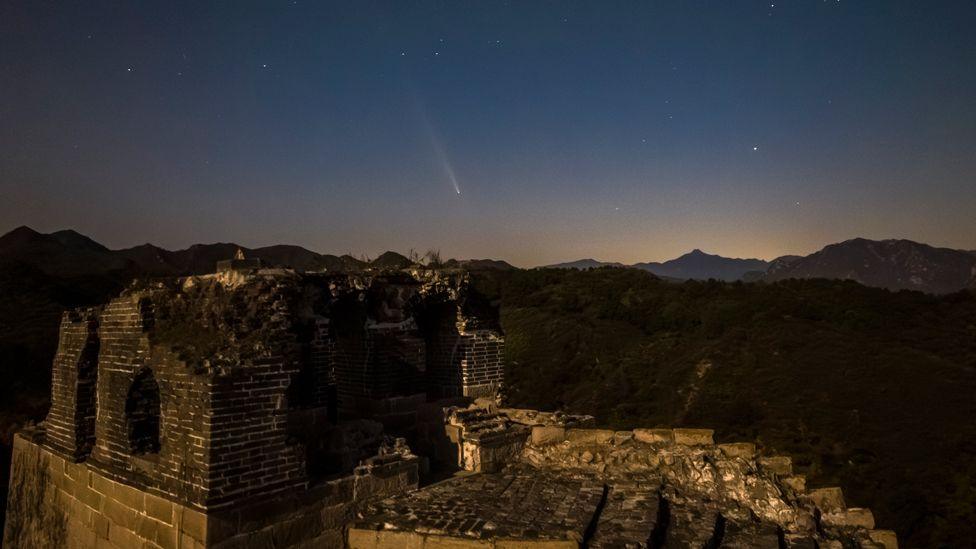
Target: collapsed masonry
(260, 407)
(251, 404)
(542, 480)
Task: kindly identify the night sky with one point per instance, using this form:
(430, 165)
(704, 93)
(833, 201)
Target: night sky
(528, 131)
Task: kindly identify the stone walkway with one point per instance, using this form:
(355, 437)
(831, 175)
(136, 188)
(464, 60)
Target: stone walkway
(488, 506)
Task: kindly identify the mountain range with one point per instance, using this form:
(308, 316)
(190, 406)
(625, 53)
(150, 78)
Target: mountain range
(891, 264)
(70, 254)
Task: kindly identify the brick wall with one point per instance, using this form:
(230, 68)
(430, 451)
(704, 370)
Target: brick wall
(71, 419)
(223, 431)
(179, 469)
(383, 361)
(482, 367)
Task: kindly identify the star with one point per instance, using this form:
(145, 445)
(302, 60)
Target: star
(128, 69)
(264, 66)
(755, 148)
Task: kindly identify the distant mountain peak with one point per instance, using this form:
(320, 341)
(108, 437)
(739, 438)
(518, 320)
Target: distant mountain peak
(23, 229)
(895, 264)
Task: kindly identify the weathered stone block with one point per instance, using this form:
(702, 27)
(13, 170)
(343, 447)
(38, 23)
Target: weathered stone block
(693, 437)
(828, 500)
(159, 509)
(548, 434)
(780, 465)
(444, 542)
(589, 436)
(622, 437)
(357, 538)
(743, 450)
(654, 436)
(853, 517)
(797, 483)
(536, 544)
(194, 524)
(884, 537)
(120, 515)
(100, 525)
(123, 537)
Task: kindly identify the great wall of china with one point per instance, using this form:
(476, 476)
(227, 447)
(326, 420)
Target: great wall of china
(261, 407)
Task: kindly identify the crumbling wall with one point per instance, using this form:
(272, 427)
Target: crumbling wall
(741, 486)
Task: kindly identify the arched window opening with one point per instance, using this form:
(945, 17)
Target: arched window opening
(142, 414)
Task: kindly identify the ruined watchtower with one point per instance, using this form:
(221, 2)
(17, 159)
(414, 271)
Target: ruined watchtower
(203, 411)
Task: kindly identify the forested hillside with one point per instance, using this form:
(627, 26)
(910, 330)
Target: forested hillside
(865, 388)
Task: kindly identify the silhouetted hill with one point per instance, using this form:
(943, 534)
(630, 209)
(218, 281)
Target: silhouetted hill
(866, 389)
(390, 260)
(584, 264)
(693, 265)
(65, 253)
(485, 265)
(891, 264)
(697, 265)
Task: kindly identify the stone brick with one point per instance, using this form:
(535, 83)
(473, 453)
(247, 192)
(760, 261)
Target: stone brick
(536, 544)
(693, 437)
(797, 483)
(100, 525)
(194, 524)
(828, 500)
(589, 436)
(444, 542)
(780, 465)
(120, 515)
(621, 437)
(159, 509)
(887, 538)
(654, 436)
(361, 539)
(548, 434)
(123, 537)
(856, 517)
(743, 450)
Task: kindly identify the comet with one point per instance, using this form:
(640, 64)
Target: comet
(438, 147)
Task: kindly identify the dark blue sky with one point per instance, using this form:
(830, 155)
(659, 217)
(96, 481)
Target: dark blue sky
(627, 131)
